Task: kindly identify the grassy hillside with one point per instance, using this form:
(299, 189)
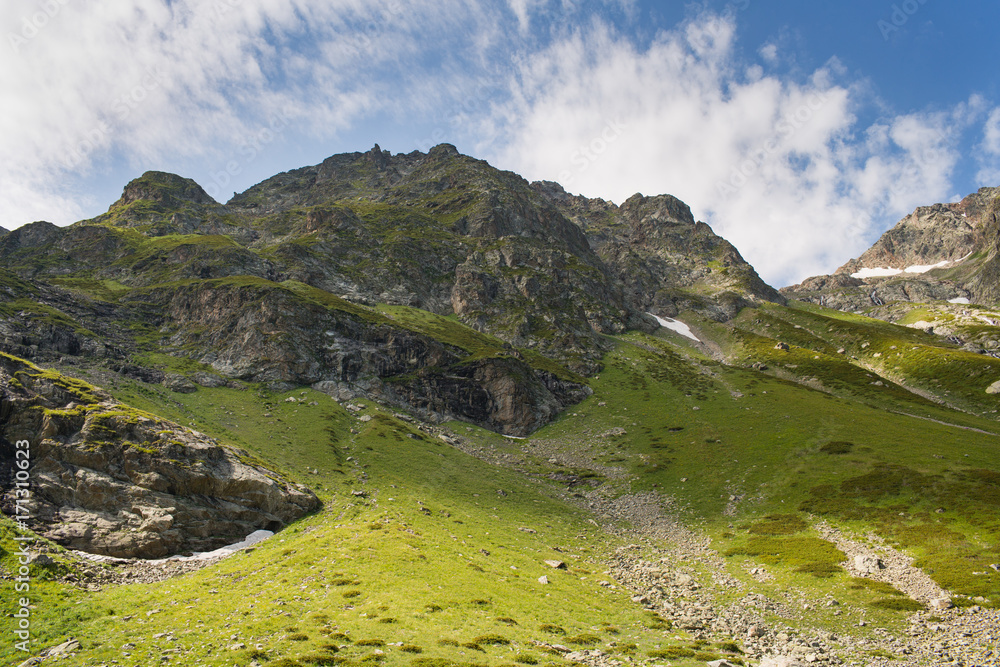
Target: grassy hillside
(432, 541)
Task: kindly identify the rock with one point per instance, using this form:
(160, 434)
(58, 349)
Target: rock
(720, 663)
(209, 380)
(867, 564)
(781, 346)
(179, 384)
(543, 580)
(994, 388)
(780, 661)
(556, 564)
(114, 481)
(941, 604)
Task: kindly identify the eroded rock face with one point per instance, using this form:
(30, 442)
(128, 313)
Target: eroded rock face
(963, 238)
(112, 480)
(664, 258)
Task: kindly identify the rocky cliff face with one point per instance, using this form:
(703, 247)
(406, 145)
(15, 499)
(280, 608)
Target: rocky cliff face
(280, 284)
(938, 253)
(112, 480)
(667, 261)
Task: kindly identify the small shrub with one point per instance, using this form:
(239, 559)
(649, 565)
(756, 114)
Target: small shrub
(284, 662)
(345, 582)
(730, 647)
(370, 642)
(705, 656)
(897, 604)
(352, 593)
(507, 620)
(491, 639)
(552, 629)
(837, 447)
(525, 659)
(340, 636)
(431, 608)
(298, 637)
(779, 524)
(388, 620)
(671, 653)
(256, 654)
(448, 642)
(479, 602)
(473, 646)
(627, 649)
(411, 648)
(374, 657)
(321, 659)
(584, 639)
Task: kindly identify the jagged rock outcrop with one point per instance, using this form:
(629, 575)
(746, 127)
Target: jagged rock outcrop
(112, 480)
(937, 253)
(280, 283)
(667, 260)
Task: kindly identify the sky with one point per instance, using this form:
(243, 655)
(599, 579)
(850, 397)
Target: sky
(800, 131)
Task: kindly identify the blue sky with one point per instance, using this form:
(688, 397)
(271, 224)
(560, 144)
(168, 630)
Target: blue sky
(799, 130)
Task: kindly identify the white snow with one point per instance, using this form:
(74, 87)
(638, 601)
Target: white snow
(915, 269)
(222, 552)
(924, 268)
(676, 325)
(876, 273)
(960, 299)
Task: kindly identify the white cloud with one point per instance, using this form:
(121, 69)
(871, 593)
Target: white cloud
(989, 152)
(142, 82)
(779, 167)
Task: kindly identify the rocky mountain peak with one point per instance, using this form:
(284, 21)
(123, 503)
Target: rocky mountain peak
(165, 189)
(652, 213)
(941, 252)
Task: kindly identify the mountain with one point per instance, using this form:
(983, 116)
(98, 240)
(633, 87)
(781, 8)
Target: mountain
(944, 252)
(490, 423)
(341, 254)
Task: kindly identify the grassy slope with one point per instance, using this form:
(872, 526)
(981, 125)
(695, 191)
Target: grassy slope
(693, 429)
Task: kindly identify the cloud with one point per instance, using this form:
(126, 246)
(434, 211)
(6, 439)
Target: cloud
(778, 166)
(988, 151)
(88, 85)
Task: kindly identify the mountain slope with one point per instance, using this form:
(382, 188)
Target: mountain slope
(939, 253)
(516, 466)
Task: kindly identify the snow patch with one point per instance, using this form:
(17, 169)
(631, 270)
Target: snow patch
(222, 552)
(961, 300)
(676, 325)
(876, 273)
(915, 269)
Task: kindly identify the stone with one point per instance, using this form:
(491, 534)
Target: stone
(151, 489)
(941, 604)
(556, 564)
(867, 564)
(543, 580)
(994, 388)
(782, 346)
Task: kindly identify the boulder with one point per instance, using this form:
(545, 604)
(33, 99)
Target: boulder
(111, 480)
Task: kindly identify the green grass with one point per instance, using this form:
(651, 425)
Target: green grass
(751, 459)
